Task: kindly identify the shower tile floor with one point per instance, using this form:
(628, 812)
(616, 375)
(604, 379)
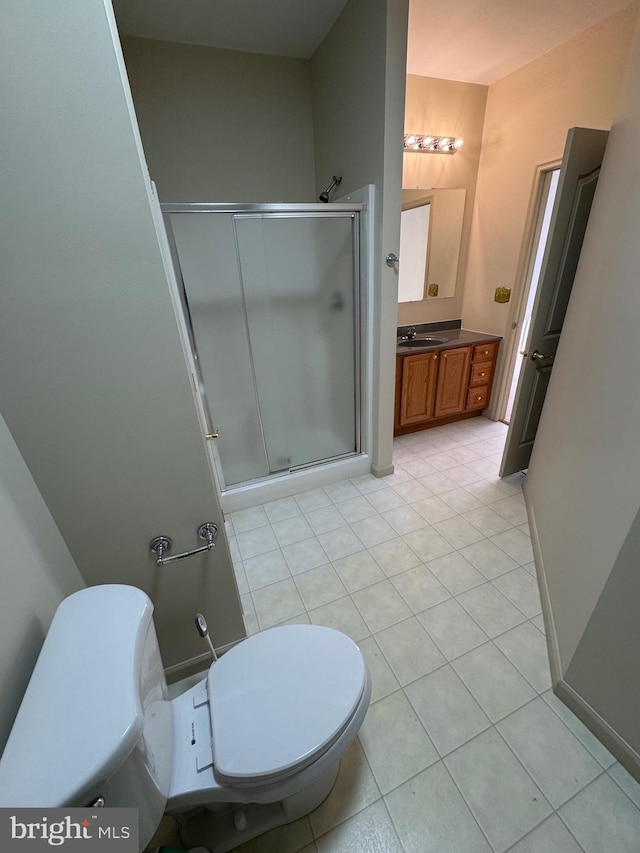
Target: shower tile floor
(464, 749)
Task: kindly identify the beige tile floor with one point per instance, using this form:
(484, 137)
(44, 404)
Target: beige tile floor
(464, 749)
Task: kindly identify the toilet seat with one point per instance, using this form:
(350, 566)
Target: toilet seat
(280, 699)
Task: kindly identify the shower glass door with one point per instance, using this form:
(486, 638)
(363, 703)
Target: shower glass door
(298, 281)
(272, 298)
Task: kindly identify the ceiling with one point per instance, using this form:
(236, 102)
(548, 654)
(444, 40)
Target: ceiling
(280, 27)
(474, 41)
(481, 41)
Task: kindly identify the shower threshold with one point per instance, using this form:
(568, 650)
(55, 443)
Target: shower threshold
(286, 483)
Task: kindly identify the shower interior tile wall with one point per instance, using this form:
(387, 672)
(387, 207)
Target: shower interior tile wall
(430, 570)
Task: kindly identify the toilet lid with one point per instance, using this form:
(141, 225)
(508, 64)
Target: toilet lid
(279, 699)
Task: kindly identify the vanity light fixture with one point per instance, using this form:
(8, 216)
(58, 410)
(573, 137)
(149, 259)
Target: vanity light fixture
(426, 144)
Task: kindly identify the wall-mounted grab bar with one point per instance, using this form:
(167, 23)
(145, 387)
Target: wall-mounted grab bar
(161, 544)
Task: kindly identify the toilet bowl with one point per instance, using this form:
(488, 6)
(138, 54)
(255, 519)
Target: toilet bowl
(255, 744)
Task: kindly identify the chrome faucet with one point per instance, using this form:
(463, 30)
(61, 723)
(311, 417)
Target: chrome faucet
(411, 333)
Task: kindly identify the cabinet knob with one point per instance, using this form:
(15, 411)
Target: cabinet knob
(482, 374)
(479, 397)
(444, 355)
(435, 357)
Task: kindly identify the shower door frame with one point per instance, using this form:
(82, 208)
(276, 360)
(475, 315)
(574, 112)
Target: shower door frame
(361, 314)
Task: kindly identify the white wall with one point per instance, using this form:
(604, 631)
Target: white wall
(604, 668)
(227, 126)
(358, 84)
(36, 572)
(223, 125)
(93, 380)
(584, 476)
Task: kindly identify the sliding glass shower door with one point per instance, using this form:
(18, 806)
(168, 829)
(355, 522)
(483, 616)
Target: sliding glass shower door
(272, 298)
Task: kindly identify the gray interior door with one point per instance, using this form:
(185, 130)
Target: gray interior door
(581, 163)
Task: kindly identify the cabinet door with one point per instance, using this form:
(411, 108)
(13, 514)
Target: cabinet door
(417, 389)
(453, 381)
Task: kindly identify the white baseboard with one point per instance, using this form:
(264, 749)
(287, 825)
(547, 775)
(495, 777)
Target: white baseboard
(617, 745)
(553, 649)
(198, 663)
(382, 472)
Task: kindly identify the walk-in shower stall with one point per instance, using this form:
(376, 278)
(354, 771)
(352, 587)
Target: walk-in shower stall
(276, 305)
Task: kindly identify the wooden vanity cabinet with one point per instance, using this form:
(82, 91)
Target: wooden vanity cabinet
(437, 387)
(483, 362)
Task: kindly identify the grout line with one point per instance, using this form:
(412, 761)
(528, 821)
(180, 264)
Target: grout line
(359, 811)
(463, 440)
(613, 779)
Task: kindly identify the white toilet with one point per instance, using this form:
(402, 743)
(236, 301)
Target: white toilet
(255, 744)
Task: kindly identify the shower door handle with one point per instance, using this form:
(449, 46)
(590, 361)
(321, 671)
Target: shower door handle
(337, 301)
(391, 260)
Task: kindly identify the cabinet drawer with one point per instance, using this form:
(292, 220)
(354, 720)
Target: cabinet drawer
(485, 352)
(477, 398)
(481, 373)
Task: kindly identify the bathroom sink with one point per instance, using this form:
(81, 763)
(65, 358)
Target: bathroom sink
(421, 342)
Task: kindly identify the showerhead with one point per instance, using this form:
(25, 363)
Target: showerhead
(324, 195)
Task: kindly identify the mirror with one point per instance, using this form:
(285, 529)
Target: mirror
(430, 235)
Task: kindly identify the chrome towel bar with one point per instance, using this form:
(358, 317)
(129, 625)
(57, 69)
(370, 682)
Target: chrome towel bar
(161, 544)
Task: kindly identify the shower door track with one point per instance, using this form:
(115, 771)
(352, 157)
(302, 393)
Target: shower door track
(205, 207)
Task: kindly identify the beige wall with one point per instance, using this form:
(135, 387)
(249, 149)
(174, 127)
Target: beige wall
(439, 107)
(222, 125)
(358, 103)
(527, 118)
(584, 478)
(36, 573)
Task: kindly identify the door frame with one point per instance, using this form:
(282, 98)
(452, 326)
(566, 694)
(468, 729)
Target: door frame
(186, 338)
(523, 284)
(577, 183)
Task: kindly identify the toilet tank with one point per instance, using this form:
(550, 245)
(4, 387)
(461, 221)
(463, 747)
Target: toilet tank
(95, 720)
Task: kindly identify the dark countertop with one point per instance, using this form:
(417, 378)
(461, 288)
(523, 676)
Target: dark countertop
(451, 338)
